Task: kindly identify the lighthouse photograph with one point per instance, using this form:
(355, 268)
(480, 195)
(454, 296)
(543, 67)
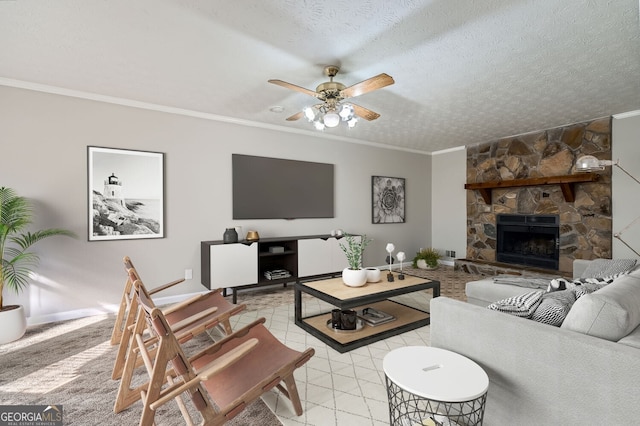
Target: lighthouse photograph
(126, 194)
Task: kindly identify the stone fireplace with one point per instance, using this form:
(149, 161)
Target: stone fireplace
(583, 224)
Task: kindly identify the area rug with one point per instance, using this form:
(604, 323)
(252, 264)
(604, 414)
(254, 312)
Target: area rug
(70, 362)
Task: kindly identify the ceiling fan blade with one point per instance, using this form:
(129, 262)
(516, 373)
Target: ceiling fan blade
(296, 116)
(369, 85)
(293, 87)
(365, 113)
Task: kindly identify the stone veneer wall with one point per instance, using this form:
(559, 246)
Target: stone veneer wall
(585, 225)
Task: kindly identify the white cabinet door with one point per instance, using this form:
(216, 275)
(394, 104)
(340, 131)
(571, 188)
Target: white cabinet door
(233, 265)
(315, 256)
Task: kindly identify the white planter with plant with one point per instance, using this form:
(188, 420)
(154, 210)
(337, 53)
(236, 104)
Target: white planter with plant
(354, 275)
(426, 259)
(17, 263)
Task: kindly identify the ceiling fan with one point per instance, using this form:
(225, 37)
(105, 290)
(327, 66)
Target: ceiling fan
(333, 110)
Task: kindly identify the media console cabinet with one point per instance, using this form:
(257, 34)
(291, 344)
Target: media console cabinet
(243, 264)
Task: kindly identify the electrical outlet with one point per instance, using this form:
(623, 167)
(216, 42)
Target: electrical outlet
(188, 274)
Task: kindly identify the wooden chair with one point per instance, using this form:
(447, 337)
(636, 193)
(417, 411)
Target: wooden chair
(125, 301)
(187, 319)
(218, 382)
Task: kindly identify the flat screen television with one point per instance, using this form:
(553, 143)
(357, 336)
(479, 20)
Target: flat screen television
(274, 188)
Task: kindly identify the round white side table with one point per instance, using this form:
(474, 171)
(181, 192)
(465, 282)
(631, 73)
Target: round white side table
(433, 386)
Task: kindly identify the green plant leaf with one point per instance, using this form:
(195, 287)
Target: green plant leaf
(354, 249)
(16, 263)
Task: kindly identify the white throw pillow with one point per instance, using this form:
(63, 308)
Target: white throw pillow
(609, 313)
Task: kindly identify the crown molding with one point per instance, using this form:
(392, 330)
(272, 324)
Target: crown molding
(189, 113)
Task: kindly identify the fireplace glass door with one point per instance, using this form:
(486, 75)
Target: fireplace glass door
(528, 240)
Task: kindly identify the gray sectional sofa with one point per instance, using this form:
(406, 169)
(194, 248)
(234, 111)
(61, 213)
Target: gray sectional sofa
(586, 372)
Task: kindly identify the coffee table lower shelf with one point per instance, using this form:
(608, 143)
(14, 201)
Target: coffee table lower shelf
(407, 318)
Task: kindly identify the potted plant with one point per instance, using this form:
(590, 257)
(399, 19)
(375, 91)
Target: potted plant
(354, 275)
(16, 262)
(426, 259)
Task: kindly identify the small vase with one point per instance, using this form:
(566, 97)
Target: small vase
(373, 275)
(354, 277)
(230, 236)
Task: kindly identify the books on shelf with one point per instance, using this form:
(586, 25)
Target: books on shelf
(277, 274)
(375, 317)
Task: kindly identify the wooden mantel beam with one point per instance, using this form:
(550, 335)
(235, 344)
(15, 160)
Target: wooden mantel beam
(566, 182)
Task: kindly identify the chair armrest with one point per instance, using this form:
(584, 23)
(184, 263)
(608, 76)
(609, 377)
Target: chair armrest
(177, 326)
(181, 305)
(166, 286)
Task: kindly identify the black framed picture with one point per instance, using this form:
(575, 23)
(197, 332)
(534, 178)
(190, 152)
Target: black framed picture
(387, 199)
(125, 193)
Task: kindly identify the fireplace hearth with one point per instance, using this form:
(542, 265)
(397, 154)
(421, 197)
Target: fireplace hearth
(532, 240)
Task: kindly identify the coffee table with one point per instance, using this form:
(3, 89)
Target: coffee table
(375, 295)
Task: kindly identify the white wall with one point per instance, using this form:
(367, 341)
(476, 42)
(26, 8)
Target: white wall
(448, 201)
(625, 191)
(44, 157)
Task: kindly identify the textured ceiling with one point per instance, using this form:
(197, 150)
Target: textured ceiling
(465, 72)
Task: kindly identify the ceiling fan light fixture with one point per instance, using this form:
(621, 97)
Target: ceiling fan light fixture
(331, 111)
(331, 119)
(346, 112)
(309, 113)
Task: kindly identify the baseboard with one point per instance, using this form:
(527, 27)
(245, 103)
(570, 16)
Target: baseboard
(449, 261)
(104, 309)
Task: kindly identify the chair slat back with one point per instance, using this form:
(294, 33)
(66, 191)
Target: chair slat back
(168, 356)
(126, 318)
(125, 305)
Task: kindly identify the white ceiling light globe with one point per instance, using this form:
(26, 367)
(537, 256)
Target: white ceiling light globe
(309, 113)
(346, 112)
(331, 119)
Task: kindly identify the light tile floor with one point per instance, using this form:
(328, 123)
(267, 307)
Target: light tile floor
(335, 388)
